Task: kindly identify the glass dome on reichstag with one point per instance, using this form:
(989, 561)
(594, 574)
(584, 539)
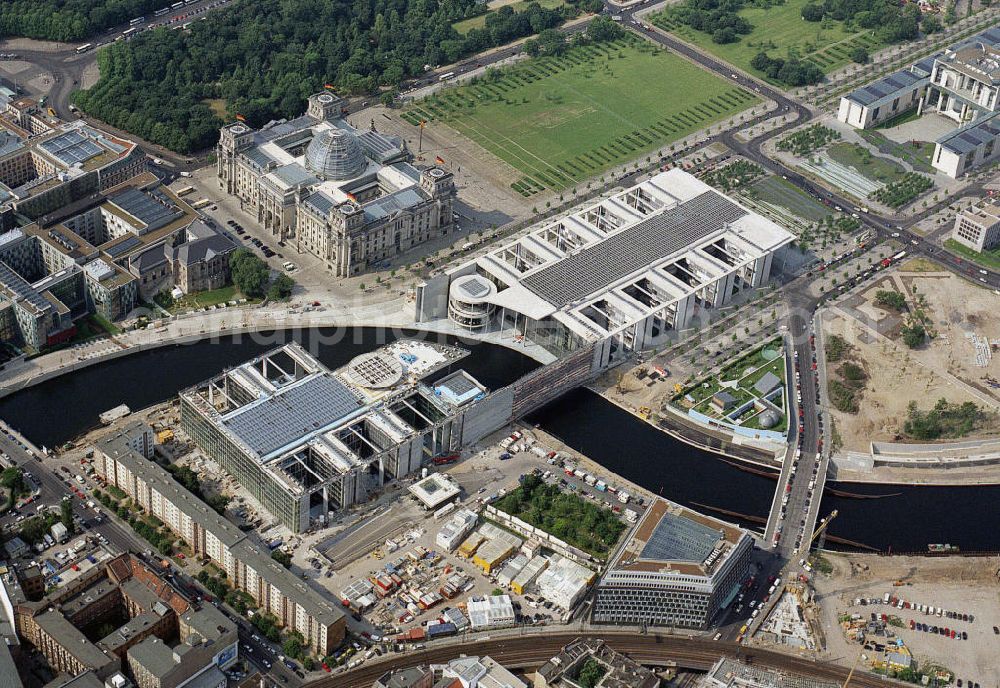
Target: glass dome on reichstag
(335, 154)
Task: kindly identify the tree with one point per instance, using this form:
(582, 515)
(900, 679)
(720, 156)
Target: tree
(388, 98)
(930, 24)
(724, 35)
(158, 85)
(282, 557)
(813, 12)
(249, 273)
(281, 288)
(591, 673)
(914, 334)
(66, 516)
(890, 298)
(13, 479)
(292, 646)
(859, 55)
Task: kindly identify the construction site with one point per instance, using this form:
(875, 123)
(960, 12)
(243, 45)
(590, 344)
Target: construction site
(938, 616)
(957, 360)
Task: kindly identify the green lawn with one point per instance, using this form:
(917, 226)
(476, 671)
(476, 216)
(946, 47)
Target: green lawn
(778, 191)
(777, 366)
(875, 168)
(203, 299)
(917, 153)
(988, 259)
(778, 30)
(561, 121)
(479, 21)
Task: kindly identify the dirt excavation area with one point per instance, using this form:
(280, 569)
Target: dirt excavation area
(872, 374)
(964, 589)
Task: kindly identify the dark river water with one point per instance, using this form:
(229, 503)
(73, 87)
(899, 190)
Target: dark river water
(60, 409)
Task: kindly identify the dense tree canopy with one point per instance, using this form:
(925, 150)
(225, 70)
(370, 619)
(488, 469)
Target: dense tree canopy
(262, 58)
(69, 20)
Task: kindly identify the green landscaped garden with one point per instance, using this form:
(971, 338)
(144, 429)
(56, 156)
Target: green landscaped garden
(917, 153)
(562, 120)
(873, 167)
(737, 377)
(777, 30)
(479, 21)
(987, 259)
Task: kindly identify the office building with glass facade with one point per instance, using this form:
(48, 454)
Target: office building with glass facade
(679, 568)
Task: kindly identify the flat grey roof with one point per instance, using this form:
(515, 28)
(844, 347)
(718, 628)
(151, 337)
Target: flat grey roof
(73, 640)
(677, 538)
(295, 174)
(392, 203)
(903, 80)
(969, 138)
(319, 202)
(153, 208)
(595, 267)
(292, 412)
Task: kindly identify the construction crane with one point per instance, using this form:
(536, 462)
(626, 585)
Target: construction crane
(822, 526)
(853, 666)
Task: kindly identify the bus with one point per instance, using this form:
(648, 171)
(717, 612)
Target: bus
(446, 76)
(137, 21)
(184, 191)
(129, 32)
(177, 5)
(160, 12)
(201, 203)
(84, 48)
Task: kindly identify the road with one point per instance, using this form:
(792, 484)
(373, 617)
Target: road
(53, 485)
(530, 651)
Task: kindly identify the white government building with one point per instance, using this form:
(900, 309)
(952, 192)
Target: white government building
(622, 273)
(961, 83)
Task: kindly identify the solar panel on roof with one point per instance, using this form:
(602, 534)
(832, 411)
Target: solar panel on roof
(459, 385)
(292, 413)
(122, 247)
(475, 289)
(21, 288)
(676, 538)
(593, 268)
(153, 208)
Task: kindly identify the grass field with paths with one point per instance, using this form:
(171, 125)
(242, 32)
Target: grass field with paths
(561, 121)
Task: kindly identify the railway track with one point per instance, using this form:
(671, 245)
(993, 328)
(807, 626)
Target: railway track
(530, 652)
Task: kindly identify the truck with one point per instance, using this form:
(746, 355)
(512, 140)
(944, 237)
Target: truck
(445, 459)
(444, 511)
(601, 486)
(589, 479)
(623, 497)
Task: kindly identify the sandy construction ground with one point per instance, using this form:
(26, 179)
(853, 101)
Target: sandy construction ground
(963, 585)
(946, 367)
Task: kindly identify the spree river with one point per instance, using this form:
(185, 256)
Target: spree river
(58, 410)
